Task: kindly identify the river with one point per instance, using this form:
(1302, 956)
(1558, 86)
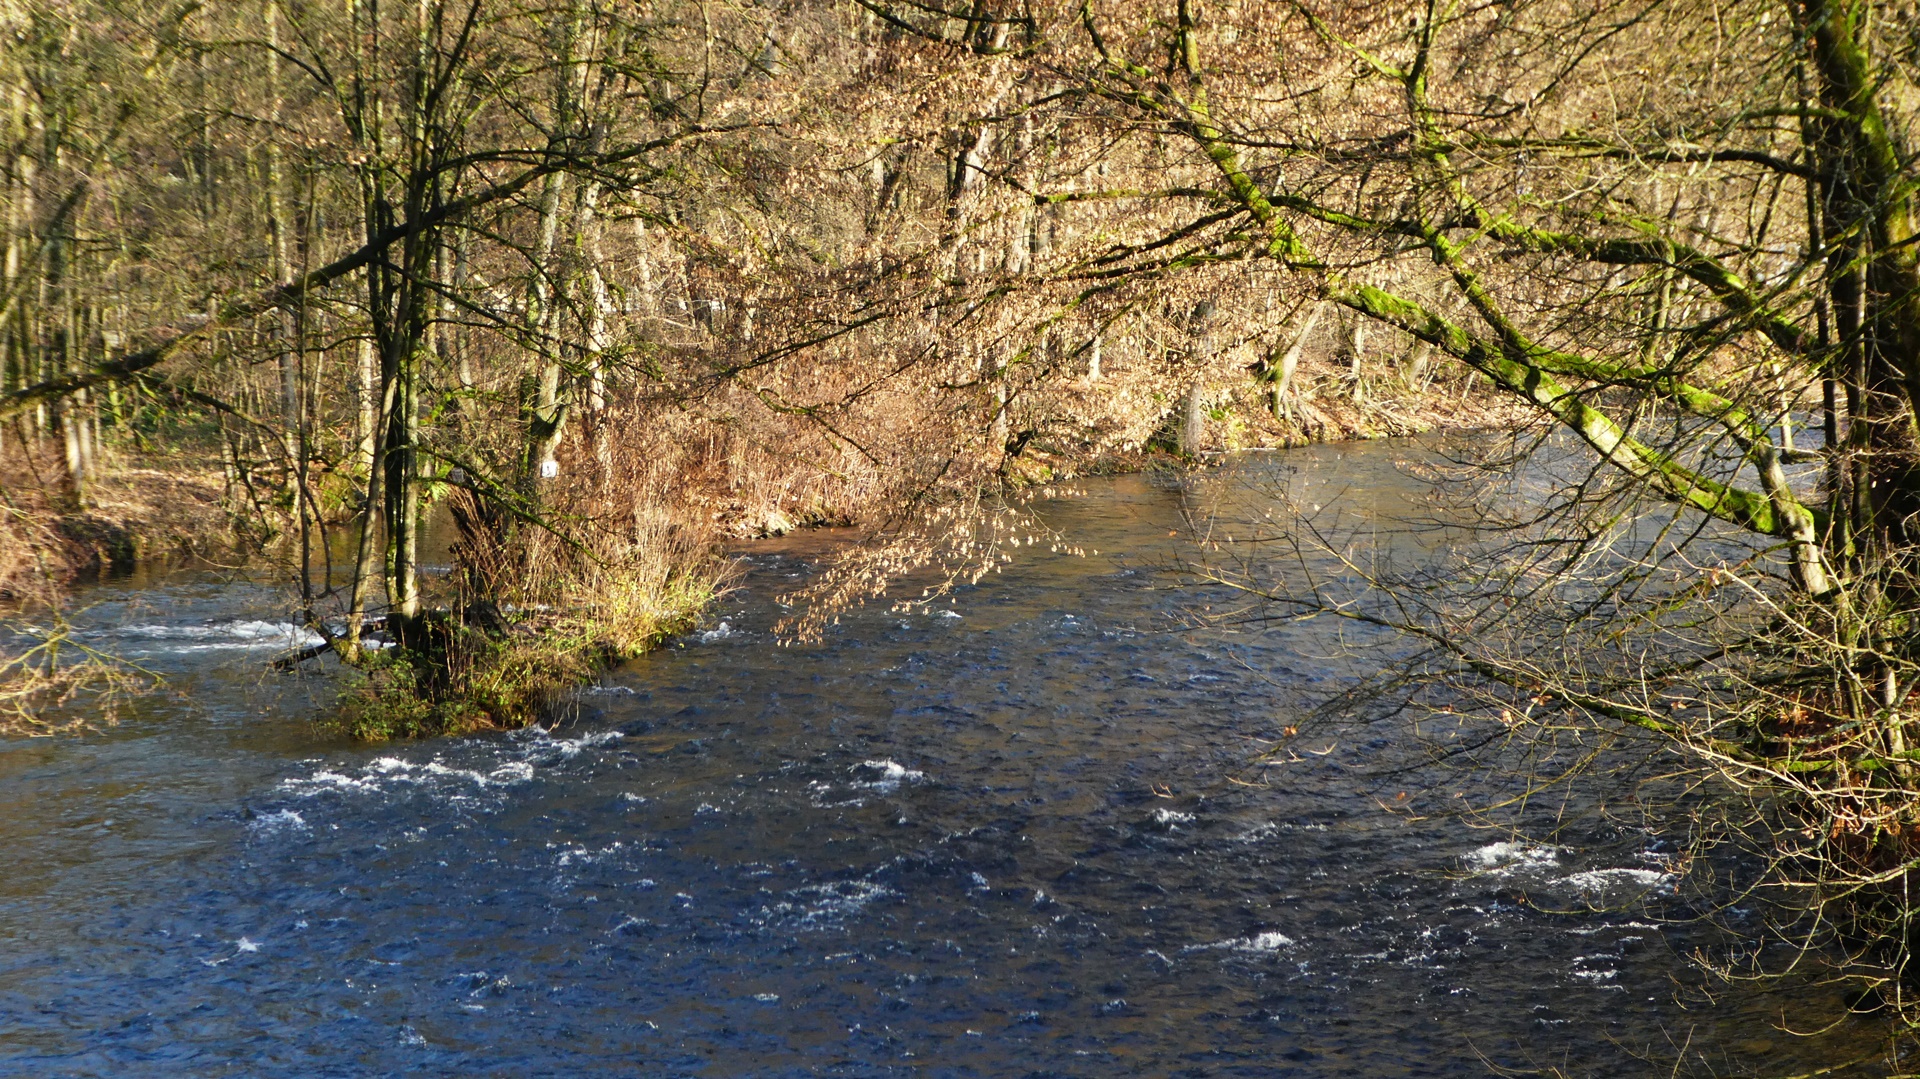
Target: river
(1025, 833)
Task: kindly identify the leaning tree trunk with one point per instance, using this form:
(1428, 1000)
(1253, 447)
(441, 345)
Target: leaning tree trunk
(1280, 371)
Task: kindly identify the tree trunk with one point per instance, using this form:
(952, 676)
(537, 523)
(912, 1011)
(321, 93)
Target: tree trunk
(278, 264)
(1356, 348)
(1193, 419)
(547, 411)
(1280, 372)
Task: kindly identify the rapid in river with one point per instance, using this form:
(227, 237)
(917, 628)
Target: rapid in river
(1028, 831)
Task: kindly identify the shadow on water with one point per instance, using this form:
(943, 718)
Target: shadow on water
(1020, 834)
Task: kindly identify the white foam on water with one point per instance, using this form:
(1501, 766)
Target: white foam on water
(1267, 942)
(1273, 828)
(889, 775)
(767, 998)
(476, 768)
(509, 773)
(384, 773)
(280, 820)
(246, 629)
(1600, 880)
(1507, 856)
(842, 898)
(825, 906)
(571, 747)
(1171, 817)
(948, 614)
(821, 795)
(215, 636)
(194, 649)
(270, 631)
(435, 768)
(325, 780)
(247, 945)
(586, 856)
(608, 691)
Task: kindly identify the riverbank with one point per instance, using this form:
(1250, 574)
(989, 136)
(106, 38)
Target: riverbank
(139, 509)
(502, 667)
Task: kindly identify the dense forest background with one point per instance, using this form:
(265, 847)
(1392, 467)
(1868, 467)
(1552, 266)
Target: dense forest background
(661, 268)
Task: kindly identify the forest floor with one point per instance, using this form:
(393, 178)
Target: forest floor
(1389, 413)
(140, 508)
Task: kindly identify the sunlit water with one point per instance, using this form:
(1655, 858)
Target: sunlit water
(1024, 833)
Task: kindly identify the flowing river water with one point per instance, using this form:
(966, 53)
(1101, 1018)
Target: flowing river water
(1025, 833)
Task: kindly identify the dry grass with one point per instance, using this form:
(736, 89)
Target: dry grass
(515, 672)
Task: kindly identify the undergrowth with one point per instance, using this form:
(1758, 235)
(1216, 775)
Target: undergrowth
(502, 672)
